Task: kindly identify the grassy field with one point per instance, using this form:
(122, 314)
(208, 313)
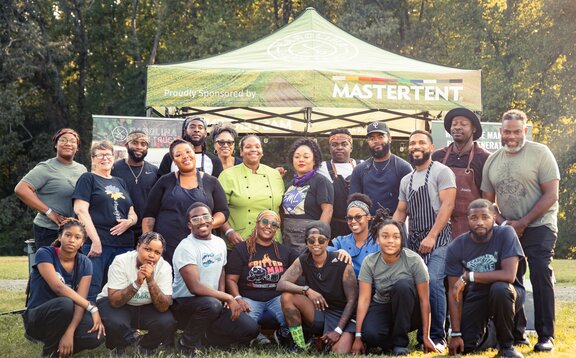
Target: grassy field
(13, 344)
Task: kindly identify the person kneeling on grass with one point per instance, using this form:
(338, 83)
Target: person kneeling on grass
(207, 314)
(327, 303)
(58, 313)
(252, 273)
(400, 302)
(138, 295)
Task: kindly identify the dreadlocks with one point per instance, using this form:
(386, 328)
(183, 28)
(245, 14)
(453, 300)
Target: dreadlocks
(381, 219)
(251, 240)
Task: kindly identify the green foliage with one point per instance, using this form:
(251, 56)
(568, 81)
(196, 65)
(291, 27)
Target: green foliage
(61, 61)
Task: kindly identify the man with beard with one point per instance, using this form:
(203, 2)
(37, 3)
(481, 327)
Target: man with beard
(481, 267)
(466, 159)
(427, 197)
(338, 171)
(138, 174)
(194, 131)
(379, 176)
(523, 178)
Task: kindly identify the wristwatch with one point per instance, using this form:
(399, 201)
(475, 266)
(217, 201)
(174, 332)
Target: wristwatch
(305, 289)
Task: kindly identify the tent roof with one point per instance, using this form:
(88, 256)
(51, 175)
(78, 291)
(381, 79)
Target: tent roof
(311, 63)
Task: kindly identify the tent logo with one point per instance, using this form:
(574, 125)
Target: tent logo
(312, 46)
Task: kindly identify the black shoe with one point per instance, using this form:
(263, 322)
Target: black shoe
(510, 352)
(544, 345)
(282, 337)
(524, 341)
(400, 351)
(184, 349)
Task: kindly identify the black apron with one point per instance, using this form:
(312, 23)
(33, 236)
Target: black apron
(339, 225)
(422, 217)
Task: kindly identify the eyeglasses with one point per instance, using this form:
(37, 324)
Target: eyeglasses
(273, 223)
(200, 219)
(356, 218)
(311, 240)
(102, 156)
(222, 143)
(66, 141)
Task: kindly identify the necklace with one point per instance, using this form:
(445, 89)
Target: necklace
(134, 175)
(386, 166)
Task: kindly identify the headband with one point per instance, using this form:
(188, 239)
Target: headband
(340, 136)
(360, 205)
(137, 135)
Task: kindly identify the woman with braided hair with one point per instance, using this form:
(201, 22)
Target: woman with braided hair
(253, 270)
(400, 302)
(58, 313)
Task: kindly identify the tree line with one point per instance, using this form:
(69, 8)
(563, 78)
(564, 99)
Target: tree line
(63, 60)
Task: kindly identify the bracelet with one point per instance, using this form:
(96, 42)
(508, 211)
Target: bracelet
(358, 334)
(135, 285)
(471, 276)
(455, 334)
(91, 308)
(338, 330)
(463, 280)
(48, 211)
(228, 231)
(238, 297)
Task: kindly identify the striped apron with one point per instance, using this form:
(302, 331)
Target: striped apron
(422, 217)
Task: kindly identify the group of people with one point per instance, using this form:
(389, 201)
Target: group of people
(356, 253)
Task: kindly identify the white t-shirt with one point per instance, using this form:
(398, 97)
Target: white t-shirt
(124, 271)
(344, 169)
(208, 255)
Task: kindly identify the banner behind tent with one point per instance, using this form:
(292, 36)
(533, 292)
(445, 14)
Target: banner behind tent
(490, 139)
(162, 131)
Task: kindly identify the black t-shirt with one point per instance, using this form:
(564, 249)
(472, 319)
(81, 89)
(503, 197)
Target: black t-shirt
(109, 201)
(304, 202)
(465, 254)
(327, 279)
(147, 176)
(260, 274)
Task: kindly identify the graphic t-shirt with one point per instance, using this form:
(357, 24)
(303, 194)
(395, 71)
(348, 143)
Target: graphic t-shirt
(209, 256)
(465, 254)
(124, 271)
(260, 273)
(109, 202)
(303, 202)
(40, 291)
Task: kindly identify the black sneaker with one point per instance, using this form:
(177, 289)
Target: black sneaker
(524, 341)
(400, 351)
(544, 345)
(184, 349)
(282, 337)
(510, 352)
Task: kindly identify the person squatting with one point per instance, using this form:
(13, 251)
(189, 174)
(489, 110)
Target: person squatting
(202, 257)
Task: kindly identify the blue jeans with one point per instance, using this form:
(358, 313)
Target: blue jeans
(100, 266)
(436, 266)
(266, 310)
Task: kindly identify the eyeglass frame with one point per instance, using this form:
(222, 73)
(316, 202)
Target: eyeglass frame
(229, 143)
(201, 218)
(63, 140)
(103, 155)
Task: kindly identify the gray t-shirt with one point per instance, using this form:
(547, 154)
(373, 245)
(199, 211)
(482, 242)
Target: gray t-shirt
(516, 180)
(441, 178)
(382, 276)
(54, 183)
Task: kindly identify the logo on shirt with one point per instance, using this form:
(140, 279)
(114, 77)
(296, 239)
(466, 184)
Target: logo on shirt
(114, 192)
(210, 258)
(484, 263)
(294, 198)
(264, 273)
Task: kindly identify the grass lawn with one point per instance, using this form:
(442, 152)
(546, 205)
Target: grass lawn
(13, 343)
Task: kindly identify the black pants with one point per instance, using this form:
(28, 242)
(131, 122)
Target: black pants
(48, 322)
(44, 236)
(538, 244)
(387, 325)
(206, 322)
(500, 304)
(120, 324)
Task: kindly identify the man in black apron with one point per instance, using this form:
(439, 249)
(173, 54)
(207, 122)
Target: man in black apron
(466, 159)
(427, 198)
(338, 171)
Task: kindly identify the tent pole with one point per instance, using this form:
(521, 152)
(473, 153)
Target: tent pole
(308, 119)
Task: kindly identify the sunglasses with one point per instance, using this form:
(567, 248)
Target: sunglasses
(272, 223)
(311, 240)
(200, 219)
(356, 218)
(223, 143)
